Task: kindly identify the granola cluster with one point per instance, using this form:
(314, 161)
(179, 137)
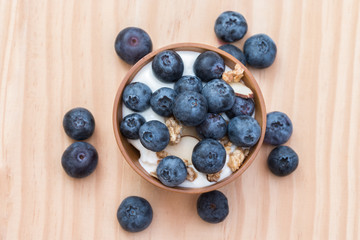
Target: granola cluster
(175, 129)
(214, 177)
(191, 174)
(233, 75)
(236, 158)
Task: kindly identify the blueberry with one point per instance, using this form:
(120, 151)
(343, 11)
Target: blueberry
(162, 101)
(168, 66)
(213, 206)
(79, 123)
(234, 51)
(260, 51)
(79, 159)
(136, 96)
(209, 65)
(278, 128)
(230, 26)
(208, 156)
(219, 95)
(154, 135)
(214, 126)
(130, 125)
(242, 106)
(244, 131)
(171, 171)
(190, 108)
(188, 83)
(132, 44)
(134, 214)
(282, 161)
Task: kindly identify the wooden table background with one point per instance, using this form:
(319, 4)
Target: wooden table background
(56, 55)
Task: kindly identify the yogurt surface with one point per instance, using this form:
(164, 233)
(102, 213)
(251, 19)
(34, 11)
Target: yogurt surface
(148, 159)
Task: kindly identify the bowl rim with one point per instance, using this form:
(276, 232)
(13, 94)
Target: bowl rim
(181, 47)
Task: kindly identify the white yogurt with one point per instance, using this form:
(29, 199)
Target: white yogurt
(148, 159)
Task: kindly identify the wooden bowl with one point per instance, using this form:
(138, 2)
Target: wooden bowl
(132, 155)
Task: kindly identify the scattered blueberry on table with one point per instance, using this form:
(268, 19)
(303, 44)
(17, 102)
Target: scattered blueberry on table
(212, 206)
(260, 51)
(230, 26)
(79, 159)
(278, 128)
(134, 214)
(282, 161)
(132, 44)
(79, 123)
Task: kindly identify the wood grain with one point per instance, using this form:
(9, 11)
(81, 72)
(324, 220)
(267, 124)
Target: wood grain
(56, 55)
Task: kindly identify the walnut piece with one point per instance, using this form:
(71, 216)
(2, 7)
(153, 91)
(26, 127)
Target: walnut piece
(233, 75)
(175, 129)
(214, 177)
(236, 158)
(191, 174)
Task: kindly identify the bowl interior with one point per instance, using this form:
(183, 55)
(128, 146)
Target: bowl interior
(131, 154)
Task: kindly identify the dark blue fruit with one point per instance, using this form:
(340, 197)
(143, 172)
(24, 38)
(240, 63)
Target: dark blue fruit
(190, 108)
(79, 159)
(244, 131)
(242, 106)
(154, 135)
(162, 101)
(132, 44)
(130, 125)
(136, 96)
(214, 126)
(234, 51)
(260, 51)
(278, 128)
(171, 171)
(134, 214)
(219, 95)
(213, 206)
(208, 156)
(168, 66)
(209, 65)
(188, 83)
(230, 26)
(79, 123)
(282, 161)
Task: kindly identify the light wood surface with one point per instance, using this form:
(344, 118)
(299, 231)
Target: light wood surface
(56, 55)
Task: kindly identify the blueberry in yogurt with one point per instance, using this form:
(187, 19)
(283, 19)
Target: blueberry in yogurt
(219, 95)
(154, 135)
(171, 171)
(132, 44)
(214, 126)
(136, 96)
(190, 108)
(168, 66)
(162, 101)
(244, 131)
(130, 125)
(242, 106)
(208, 156)
(209, 65)
(230, 26)
(188, 83)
